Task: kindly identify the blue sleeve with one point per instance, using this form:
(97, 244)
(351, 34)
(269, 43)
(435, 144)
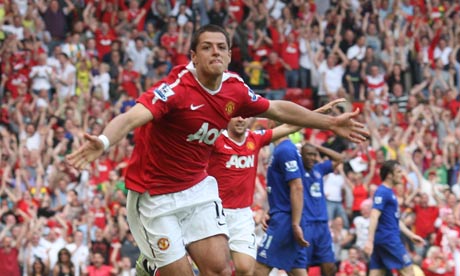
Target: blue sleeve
(290, 163)
(380, 198)
(324, 168)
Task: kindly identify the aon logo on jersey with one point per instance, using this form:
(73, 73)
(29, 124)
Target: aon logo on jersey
(205, 135)
(241, 162)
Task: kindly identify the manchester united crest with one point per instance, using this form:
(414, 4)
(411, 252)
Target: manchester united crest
(163, 244)
(250, 146)
(230, 107)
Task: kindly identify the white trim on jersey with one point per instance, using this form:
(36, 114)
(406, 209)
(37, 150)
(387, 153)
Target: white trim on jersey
(225, 133)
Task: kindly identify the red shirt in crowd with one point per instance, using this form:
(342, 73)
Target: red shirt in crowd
(134, 13)
(236, 10)
(276, 75)
(104, 270)
(351, 268)
(169, 41)
(128, 82)
(424, 219)
(100, 219)
(103, 42)
(104, 167)
(359, 195)
(9, 264)
(290, 53)
(443, 268)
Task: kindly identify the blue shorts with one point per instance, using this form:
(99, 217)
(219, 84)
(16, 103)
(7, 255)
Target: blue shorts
(278, 248)
(320, 239)
(389, 255)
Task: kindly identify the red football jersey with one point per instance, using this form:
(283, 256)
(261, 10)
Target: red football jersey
(172, 151)
(234, 165)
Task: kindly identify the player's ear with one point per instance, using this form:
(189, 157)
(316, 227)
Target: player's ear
(192, 56)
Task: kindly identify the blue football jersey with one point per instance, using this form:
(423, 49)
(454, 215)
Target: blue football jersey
(314, 201)
(285, 165)
(388, 225)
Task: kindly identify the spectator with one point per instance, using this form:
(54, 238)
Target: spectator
(361, 224)
(9, 256)
(353, 266)
(64, 265)
(79, 252)
(98, 267)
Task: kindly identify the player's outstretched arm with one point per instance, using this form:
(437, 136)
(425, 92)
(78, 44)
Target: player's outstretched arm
(115, 130)
(285, 129)
(343, 125)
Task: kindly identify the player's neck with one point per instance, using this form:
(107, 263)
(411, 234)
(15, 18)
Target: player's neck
(236, 136)
(210, 82)
(388, 184)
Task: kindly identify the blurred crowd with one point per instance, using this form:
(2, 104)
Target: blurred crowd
(69, 66)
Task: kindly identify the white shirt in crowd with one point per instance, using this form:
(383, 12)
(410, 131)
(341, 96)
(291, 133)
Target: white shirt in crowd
(361, 230)
(333, 185)
(68, 72)
(102, 81)
(32, 142)
(80, 256)
(18, 31)
(331, 77)
(139, 58)
(41, 77)
(356, 52)
(443, 54)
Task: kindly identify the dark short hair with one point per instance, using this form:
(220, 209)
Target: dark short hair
(211, 29)
(387, 168)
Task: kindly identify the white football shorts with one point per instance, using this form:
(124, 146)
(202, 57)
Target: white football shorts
(163, 225)
(241, 228)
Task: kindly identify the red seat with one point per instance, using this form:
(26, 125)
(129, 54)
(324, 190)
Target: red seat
(293, 93)
(308, 93)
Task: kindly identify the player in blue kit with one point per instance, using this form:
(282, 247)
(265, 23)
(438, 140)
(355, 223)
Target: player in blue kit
(384, 243)
(316, 229)
(284, 245)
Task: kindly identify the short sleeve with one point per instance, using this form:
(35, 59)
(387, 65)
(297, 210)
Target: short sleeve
(290, 165)
(252, 104)
(379, 200)
(325, 167)
(158, 100)
(263, 137)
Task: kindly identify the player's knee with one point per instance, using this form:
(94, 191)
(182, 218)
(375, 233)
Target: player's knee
(244, 269)
(328, 269)
(216, 269)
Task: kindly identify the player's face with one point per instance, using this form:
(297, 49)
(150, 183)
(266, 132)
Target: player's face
(397, 175)
(212, 54)
(238, 125)
(309, 156)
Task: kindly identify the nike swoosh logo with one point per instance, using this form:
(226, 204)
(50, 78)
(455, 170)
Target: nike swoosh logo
(227, 147)
(195, 107)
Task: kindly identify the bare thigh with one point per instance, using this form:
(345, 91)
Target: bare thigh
(211, 255)
(179, 268)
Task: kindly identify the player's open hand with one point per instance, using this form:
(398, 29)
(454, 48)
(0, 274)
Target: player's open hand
(298, 235)
(349, 128)
(265, 221)
(368, 248)
(87, 153)
(418, 240)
